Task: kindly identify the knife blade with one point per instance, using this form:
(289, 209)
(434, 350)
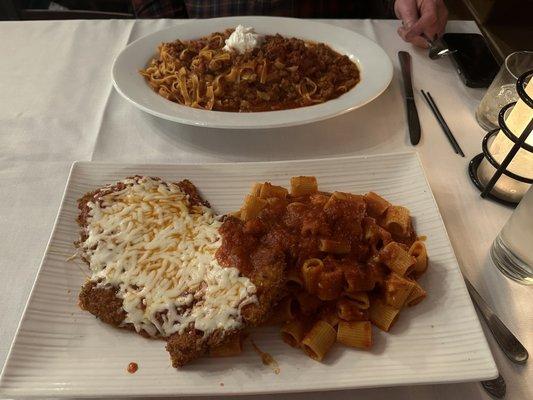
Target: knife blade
(412, 114)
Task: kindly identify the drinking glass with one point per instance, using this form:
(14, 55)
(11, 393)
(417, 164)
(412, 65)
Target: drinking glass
(502, 90)
(512, 250)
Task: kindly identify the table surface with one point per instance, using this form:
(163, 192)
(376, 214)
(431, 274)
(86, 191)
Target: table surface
(57, 105)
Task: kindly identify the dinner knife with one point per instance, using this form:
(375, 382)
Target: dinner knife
(412, 114)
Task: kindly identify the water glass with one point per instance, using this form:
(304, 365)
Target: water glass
(502, 90)
(512, 250)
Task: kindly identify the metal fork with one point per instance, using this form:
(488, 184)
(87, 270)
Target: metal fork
(438, 49)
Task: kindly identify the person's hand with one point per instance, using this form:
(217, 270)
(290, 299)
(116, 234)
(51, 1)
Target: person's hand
(421, 20)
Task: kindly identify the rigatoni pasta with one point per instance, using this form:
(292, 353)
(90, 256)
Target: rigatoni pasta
(334, 246)
(397, 259)
(294, 278)
(330, 284)
(308, 304)
(293, 332)
(349, 310)
(397, 290)
(268, 190)
(286, 309)
(383, 315)
(416, 296)
(319, 340)
(311, 272)
(356, 334)
(375, 204)
(397, 220)
(330, 316)
(252, 207)
(359, 298)
(352, 261)
(303, 186)
(418, 251)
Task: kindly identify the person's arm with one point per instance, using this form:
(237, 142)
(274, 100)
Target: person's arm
(421, 20)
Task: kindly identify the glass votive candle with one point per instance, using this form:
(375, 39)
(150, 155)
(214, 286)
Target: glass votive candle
(512, 250)
(517, 119)
(502, 90)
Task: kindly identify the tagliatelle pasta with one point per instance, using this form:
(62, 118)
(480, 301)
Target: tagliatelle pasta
(280, 73)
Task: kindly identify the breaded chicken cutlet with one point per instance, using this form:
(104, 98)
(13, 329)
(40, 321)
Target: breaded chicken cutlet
(150, 246)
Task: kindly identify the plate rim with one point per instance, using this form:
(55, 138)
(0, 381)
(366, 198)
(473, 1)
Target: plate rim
(254, 126)
(39, 393)
(34, 284)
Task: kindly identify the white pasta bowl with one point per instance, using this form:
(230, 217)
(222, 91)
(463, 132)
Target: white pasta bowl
(372, 61)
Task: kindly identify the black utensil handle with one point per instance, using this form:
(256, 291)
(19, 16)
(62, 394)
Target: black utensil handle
(495, 387)
(413, 121)
(405, 64)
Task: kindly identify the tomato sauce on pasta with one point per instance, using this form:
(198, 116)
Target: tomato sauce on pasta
(350, 260)
(282, 73)
(297, 229)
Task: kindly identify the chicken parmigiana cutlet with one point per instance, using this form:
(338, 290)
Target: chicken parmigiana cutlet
(151, 248)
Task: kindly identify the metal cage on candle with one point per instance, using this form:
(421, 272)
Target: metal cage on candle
(519, 143)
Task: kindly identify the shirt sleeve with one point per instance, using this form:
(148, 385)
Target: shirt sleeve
(159, 8)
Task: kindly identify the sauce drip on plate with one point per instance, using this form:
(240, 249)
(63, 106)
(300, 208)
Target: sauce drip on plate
(267, 359)
(132, 367)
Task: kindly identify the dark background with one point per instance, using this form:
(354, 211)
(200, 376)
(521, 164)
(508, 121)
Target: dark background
(504, 23)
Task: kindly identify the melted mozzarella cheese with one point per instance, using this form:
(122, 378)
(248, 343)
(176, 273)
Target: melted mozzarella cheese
(160, 253)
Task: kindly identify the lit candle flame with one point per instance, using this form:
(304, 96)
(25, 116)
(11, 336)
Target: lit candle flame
(522, 163)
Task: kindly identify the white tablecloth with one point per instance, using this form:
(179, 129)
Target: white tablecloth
(57, 105)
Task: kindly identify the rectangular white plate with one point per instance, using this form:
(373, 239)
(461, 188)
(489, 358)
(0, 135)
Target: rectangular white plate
(61, 351)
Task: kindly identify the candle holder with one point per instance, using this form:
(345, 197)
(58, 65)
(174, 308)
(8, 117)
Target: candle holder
(519, 144)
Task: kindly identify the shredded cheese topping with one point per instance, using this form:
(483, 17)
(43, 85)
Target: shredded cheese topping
(146, 240)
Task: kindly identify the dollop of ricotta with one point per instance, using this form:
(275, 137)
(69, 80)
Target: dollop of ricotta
(243, 39)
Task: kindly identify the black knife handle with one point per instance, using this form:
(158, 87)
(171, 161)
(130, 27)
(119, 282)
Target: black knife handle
(412, 114)
(413, 121)
(405, 63)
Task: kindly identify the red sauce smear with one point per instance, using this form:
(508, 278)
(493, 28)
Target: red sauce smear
(267, 359)
(132, 367)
